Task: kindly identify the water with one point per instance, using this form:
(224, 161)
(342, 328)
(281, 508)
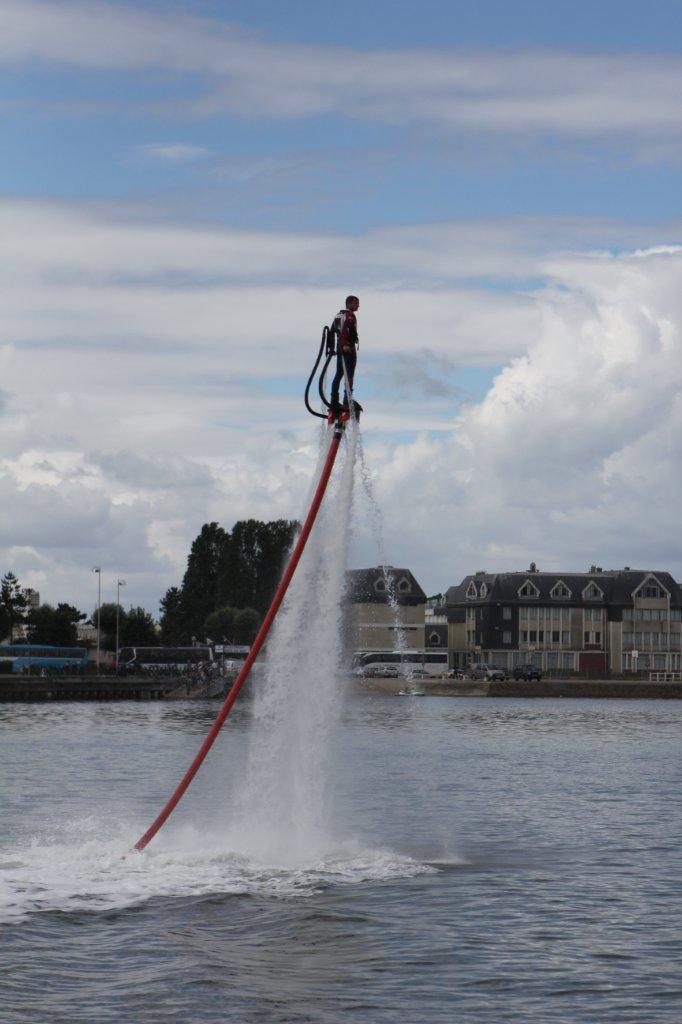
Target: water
(495, 861)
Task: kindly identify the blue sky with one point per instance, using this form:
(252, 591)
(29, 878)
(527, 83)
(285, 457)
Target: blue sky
(188, 190)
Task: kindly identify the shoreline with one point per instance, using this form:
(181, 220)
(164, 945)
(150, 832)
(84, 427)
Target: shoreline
(596, 689)
(34, 689)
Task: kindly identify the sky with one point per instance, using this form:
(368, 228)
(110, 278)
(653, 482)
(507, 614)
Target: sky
(189, 190)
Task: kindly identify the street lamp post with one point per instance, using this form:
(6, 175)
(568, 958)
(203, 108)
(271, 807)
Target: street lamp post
(119, 584)
(98, 570)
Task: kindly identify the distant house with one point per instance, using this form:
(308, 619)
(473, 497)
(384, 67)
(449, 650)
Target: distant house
(615, 619)
(383, 604)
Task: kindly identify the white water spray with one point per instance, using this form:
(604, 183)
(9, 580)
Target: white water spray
(285, 803)
(377, 527)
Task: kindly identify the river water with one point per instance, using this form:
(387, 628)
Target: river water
(487, 860)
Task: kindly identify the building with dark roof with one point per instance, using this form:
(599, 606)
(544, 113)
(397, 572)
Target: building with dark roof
(615, 620)
(384, 608)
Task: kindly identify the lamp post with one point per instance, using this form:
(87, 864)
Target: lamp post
(98, 570)
(119, 584)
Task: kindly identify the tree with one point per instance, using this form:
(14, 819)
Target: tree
(199, 585)
(219, 625)
(4, 622)
(246, 623)
(12, 602)
(107, 624)
(138, 629)
(48, 625)
(253, 562)
(174, 629)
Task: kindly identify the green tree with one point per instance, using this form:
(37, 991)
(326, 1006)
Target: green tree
(138, 629)
(66, 620)
(4, 622)
(252, 563)
(199, 585)
(107, 624)
(174, 629)
(246, 623)
(48, 625)
(220, 624)
(12, 602)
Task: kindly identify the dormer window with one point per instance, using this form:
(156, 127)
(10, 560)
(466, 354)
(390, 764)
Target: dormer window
(529, 591)
(560, 591)
(484, 590)
(593, 593)
(404, 586)
(380, 586)
(471, 593)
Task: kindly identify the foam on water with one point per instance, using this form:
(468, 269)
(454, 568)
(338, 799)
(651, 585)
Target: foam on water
(87, 873)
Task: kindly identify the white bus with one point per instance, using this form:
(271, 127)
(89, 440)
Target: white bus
(431, 662)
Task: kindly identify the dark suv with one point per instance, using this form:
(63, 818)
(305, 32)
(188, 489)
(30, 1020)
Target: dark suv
(527, 672)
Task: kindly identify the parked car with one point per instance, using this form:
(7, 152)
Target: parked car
(481, 670)
(527, 672)
(453, 673)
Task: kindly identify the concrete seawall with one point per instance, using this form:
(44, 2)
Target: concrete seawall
(99, 688)
(585, 688)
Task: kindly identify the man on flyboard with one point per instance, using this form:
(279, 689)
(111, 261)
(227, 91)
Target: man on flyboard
(345, 331)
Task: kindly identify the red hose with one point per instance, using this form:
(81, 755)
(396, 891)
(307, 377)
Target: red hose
(255, 647)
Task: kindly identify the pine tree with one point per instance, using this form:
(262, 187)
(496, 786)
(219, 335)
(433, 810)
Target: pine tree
(174, 631)
(12, 602)
(199, 585)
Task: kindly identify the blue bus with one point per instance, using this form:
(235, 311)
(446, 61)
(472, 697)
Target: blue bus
(36, 657)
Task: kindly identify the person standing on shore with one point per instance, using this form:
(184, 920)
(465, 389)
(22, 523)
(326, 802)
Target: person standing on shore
(345, 330)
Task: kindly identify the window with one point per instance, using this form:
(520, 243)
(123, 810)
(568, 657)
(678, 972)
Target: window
(597, 636)
(560, 591)
(651, 590)
(471, 636)
(524, 636)
(380, 586)
(556, 636)
(506, 613)
(676, 614)
(541, 636)
(529, 590)
(471, 593)
(628, 613)
(565, 637)
(404, 586)
(533, 613)
(586, 636)
(533, 636)
(484, 590)
(592, 593)
(506, 636)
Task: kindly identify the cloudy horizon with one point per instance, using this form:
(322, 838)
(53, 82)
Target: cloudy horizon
(190, 192)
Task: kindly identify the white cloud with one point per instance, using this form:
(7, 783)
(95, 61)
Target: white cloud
(155, 371)
(574, 455)
(174, 152)
(622, 96)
